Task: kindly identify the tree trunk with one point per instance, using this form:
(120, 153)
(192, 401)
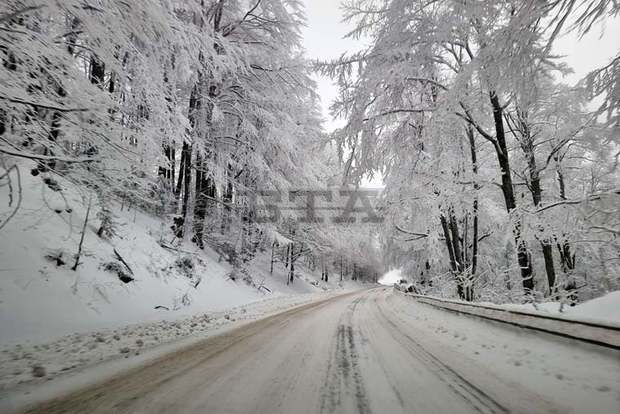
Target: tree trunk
(227, 199)
(97, 71)
(501, 149)
(167, 171)
(549, 266)
(326, 273)
(273, 255)
(72, 36)
(186, 162)
(527, 145)
(187, 178)
(456, 244)
(291, 274)
(567, 258)
(449, 245)
(179, 186)
(200, 204)
(288, 250)
(474, 254)
(458, 256)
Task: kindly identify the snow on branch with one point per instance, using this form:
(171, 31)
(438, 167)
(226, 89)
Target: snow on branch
(594, 197)
(37, 157)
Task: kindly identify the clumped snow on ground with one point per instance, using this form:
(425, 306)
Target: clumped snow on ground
(54, 319)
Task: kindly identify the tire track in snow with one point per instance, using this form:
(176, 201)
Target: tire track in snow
(475, 397)
(344, 377)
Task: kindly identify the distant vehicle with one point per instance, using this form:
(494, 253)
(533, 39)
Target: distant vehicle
(405, 286)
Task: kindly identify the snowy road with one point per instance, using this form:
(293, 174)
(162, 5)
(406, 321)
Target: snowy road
(367, 352)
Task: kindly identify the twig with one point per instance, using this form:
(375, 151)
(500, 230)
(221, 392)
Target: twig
(175, 249)
(77, 258)
(19, 194)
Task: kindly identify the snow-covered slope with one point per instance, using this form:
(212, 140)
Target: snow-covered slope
(41, 298)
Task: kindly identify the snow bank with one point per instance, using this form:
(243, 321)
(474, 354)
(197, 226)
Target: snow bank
(606, 308)
(29, 364)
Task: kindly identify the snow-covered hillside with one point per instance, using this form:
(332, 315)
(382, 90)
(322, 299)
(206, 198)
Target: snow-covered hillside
(42, 298)
(55, 320)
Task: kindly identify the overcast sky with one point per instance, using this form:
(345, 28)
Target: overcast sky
(323, 38)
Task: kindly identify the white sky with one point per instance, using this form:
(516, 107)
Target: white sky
(323, 38)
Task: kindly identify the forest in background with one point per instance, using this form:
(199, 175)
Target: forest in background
(501, 183)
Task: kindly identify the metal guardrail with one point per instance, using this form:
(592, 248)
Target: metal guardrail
(584, 331)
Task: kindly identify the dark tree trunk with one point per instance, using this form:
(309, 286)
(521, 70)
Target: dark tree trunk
(501, 149)
(273, 256)
(186, 161)
(200, 204)
(458, 256)
(179, 186)
(167, 171)
(527, 145)
(205, 188)
(326, 273)
(567, 258)
(549, 266)
(72, 36)
(2, 122)
(288, 250)
(187, 177)
(450, 232)
(474, 166)
(561, 184)
(449, 245)
(227, 198)
(97, 71)
(291, 274)
(456, 244)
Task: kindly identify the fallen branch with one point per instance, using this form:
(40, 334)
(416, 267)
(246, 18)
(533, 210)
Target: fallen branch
(120, 258)
(174, 249)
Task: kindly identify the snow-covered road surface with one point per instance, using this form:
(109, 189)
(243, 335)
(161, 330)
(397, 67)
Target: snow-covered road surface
(367, 352)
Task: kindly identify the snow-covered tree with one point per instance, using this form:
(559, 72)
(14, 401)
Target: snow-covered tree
(439, 102)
